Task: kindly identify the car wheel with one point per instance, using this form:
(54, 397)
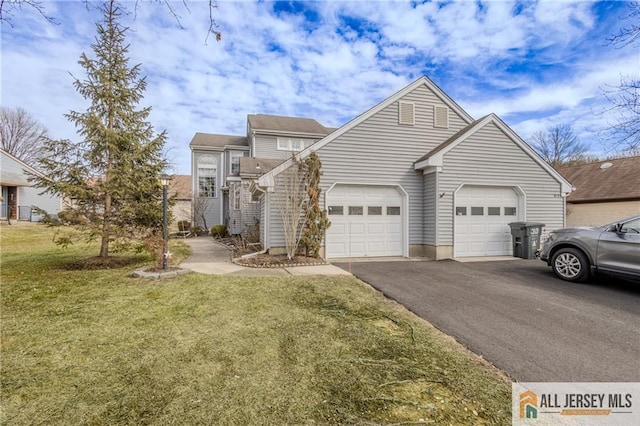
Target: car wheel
(571, 264)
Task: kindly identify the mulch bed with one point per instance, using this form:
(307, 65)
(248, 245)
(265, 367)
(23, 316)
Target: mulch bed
(264, 260)
(277, 261)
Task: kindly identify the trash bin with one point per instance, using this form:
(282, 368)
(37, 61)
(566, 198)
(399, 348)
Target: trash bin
(526, 238)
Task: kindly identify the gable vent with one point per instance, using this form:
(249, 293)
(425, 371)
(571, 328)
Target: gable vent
(440, 116)
(406, 113)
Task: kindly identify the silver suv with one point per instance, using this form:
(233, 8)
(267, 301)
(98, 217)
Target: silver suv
(575, 254)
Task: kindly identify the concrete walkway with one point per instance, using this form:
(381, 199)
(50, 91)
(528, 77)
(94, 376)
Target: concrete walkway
(210, 257)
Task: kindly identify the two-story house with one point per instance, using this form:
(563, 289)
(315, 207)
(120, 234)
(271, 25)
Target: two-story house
(413, 176)
(225, 167)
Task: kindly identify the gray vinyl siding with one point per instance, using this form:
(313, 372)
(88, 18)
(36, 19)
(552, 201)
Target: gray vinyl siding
(430, 199)
(263, 225)
(276, 233)
(250, 211)
(380, 151)
(267, 147)
(27, 196)
(490, 157)
(213, 205)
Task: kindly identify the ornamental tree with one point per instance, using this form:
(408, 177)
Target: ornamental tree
(317, 223)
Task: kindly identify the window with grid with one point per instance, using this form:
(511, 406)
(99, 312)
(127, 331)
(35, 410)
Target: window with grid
(290, 144)
(235, 162)
(207, 171)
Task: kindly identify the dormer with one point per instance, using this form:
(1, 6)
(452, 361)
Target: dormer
(273, 136)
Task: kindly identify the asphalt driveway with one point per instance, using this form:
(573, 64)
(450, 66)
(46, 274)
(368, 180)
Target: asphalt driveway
(521, 318)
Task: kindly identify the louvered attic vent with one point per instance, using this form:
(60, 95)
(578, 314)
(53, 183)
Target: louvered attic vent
(406, 113)
(440, 116)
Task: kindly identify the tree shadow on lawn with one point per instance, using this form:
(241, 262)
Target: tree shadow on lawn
(96, 263)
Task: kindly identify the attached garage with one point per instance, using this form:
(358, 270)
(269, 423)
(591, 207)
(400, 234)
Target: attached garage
(366, 220)
(482, 217)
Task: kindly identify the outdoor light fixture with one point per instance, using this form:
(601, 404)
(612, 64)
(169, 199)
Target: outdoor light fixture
(164, 181)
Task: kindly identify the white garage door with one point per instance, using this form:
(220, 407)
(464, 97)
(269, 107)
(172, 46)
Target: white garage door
(482, 217)
(365, 221)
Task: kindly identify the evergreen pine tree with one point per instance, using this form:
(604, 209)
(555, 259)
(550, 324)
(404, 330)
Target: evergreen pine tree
(111, 174)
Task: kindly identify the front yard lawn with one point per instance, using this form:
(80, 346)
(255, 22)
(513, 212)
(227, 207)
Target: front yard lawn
(99, 347)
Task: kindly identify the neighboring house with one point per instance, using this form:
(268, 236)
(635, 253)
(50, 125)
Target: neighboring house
(180, 190)
(414, 176)
(19, 196)
(606, 191)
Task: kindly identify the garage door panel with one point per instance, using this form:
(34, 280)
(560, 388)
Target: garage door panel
(356, 228)
(338, 228)
(372, 233)
(487, 234)
(394, 228)
(375, 228)
(340, 249)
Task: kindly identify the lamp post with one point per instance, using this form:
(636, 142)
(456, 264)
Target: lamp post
(164, 181)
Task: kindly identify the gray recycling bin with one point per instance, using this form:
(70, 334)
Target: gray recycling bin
(526, 238)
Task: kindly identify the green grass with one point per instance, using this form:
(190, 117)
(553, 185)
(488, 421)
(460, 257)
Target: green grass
(99, 347)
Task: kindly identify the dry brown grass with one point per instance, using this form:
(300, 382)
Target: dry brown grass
(98, 347)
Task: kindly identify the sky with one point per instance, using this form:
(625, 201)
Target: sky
(534, 63)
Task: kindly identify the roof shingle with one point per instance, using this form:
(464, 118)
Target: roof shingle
(593, 182)
(208, 139)
(180, 187)
(286, 124)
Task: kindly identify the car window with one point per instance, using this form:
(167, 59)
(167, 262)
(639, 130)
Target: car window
(631, 227)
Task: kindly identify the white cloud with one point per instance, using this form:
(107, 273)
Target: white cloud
(528, 61)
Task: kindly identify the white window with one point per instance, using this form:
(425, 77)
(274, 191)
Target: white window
(290, 144)
(207, 173)
(235, 162)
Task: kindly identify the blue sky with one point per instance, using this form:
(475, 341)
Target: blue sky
(534, 63)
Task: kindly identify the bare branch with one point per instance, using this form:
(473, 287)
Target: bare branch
(558, 145)
(7, 10)
(624, 132)
(629, 34)
(213, 25)
(21, 135)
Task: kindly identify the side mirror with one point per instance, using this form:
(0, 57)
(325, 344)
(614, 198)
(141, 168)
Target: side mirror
(616, 227)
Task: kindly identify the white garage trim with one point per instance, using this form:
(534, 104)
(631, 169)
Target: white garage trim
(404, 207)
(482, 246)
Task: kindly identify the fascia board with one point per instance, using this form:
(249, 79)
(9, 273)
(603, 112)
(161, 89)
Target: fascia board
(208, 148)
(287, 133)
